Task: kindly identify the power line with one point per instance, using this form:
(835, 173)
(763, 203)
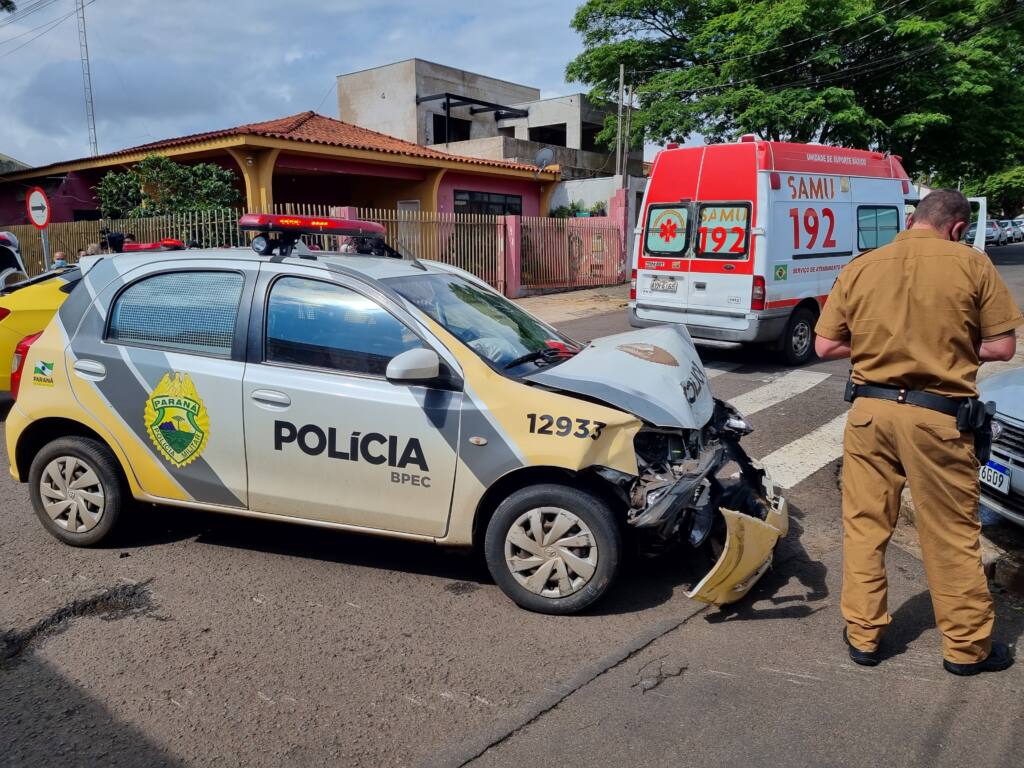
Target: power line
(26, 10)
(765, 52)
(33, 29)
(50, 26)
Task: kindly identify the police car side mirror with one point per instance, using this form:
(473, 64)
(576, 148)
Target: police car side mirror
(414, 366)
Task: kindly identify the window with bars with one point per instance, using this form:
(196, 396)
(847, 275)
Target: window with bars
(191, 311)
(488, 202)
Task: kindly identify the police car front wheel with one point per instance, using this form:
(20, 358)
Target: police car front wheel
(76, 490)
(552, 548)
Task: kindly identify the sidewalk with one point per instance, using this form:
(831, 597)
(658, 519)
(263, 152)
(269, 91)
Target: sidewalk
(573, 305)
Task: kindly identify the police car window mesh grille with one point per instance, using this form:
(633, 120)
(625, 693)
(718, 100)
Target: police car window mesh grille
(190, 311)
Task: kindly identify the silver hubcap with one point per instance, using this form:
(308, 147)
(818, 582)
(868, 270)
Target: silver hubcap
(801, 338)
(72, 494)
(551, 552)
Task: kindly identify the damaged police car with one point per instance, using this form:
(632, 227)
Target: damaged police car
(388, 396)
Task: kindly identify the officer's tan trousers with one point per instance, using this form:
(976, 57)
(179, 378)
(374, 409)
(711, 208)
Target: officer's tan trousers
(886, 445)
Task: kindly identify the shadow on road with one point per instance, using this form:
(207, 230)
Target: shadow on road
(791, 561)
(48, 720)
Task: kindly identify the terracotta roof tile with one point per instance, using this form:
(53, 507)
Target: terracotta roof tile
(313, 128)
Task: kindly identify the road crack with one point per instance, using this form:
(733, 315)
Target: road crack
(120, 602)
(650, 677)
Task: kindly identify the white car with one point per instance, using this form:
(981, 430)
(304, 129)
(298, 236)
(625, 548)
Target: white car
(1002, 478)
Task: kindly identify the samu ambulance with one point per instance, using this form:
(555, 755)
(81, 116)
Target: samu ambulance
(742, 242)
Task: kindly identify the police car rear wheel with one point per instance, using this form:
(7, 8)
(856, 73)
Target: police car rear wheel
(798, 340)
(76, 490)
(553, 549)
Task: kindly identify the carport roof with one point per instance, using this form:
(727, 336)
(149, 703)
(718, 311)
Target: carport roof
(304, 127)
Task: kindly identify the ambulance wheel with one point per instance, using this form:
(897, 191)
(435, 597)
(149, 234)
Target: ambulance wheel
(798, 339)
(553, 549)
(77, 490)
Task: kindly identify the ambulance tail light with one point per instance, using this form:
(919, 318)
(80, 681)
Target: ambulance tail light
(18, 362)
(672, 145)
(906, 186)
(775, 180)
(632, 286)
(757, 293)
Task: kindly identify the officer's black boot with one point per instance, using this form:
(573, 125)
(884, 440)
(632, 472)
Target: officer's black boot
(998, 659)
(864, 658)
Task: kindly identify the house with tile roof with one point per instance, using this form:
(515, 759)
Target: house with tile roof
(305, 158)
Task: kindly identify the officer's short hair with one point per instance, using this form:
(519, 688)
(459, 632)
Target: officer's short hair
(943, 207)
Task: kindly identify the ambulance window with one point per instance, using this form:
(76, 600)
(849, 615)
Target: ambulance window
(182, 311)
(668, 229)
(323, 325)
(876, 226)
(723, 231)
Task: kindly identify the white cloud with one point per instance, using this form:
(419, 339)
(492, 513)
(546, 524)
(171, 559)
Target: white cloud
(167, 69)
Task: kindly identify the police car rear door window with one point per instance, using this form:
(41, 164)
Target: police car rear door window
(187, 311)
(489, 324)
(723, 231)
(877, 225)
(323, 325)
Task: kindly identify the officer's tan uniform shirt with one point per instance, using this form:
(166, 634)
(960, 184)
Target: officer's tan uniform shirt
(914, 312)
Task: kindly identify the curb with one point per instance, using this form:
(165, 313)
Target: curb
(1003, 567)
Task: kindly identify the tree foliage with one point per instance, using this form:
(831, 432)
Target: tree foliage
(1004, 190)
(8, 5)
(936, 81)
(157, 185)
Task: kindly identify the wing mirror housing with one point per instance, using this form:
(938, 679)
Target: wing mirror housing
(423, 367)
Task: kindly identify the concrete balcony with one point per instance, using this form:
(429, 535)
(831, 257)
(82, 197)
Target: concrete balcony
(574, 163)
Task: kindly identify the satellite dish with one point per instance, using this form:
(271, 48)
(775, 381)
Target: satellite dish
(544, 158)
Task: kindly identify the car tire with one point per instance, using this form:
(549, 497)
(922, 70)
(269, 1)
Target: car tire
(567, 578)
(798, 338)
(77, 490)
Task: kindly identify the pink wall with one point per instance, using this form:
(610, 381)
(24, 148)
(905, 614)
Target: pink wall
(67, 194)
(529, 191)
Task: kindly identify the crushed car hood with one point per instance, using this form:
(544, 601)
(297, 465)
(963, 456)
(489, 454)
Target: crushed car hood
(654, 373)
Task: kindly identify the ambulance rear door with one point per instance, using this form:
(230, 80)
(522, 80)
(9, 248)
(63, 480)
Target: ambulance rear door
(720, 272)
(662, 261)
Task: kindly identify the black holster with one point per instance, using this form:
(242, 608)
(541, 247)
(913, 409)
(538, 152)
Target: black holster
(976, 416)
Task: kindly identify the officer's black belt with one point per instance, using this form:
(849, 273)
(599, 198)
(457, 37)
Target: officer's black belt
(947, 405)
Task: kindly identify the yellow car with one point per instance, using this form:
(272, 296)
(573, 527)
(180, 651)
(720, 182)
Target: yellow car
(26, 308)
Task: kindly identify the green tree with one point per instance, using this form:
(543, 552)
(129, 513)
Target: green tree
(936, 81)
(8, 5)
(1004, 190)
(157, 185)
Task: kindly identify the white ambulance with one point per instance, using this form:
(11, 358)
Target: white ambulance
(743, 242)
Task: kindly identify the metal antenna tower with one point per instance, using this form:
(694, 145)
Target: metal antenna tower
(83, 45)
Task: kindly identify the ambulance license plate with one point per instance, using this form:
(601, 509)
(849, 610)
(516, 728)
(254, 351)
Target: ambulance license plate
(664, 286)
(995, 476)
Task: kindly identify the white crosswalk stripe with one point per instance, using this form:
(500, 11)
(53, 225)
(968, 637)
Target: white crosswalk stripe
(773, 393)
(804, 456)
(717, 369)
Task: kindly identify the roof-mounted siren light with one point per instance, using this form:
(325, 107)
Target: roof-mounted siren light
(290, 228)
(748, 138)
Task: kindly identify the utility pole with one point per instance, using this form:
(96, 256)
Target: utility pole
(83, 46)
(626, 136)
(618, 124)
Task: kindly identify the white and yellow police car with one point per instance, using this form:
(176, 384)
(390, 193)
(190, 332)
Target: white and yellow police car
(384, 395)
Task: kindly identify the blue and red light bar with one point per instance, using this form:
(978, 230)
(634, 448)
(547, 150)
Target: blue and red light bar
(311, 225)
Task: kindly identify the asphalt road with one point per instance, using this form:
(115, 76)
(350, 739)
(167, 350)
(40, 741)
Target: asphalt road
(207, 640)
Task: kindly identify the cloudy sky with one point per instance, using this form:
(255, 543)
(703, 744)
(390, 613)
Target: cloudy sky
(164, 69)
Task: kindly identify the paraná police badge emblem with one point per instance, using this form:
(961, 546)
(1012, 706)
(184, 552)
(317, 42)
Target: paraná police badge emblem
(177, 420)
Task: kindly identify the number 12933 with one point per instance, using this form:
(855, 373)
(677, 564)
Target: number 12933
(564, 426)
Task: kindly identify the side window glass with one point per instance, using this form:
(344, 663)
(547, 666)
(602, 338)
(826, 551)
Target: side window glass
(668, 229)
(876, 226)
(322, 325)
(179, 311)
(723, 232)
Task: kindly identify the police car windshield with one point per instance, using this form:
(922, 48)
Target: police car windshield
(492, 326)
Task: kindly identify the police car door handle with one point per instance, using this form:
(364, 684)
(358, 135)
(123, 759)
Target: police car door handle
(271, 397)
(91, 370)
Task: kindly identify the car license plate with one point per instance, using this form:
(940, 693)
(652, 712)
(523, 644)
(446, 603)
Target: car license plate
(995, 476)
(664, 286)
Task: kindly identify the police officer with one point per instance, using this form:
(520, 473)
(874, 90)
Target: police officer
(917, 317)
